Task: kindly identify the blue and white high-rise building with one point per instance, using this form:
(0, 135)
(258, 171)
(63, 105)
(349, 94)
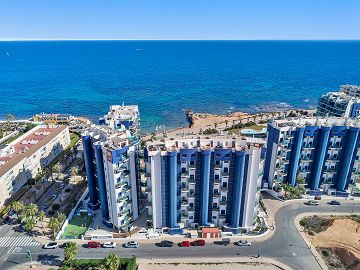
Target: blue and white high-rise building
(111, 163)
(345, 103)
(324, 151)
(204, 181)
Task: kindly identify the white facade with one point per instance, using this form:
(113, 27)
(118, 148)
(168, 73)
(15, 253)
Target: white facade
(25, 157)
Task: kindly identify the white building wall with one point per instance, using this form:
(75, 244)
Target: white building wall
(156, 190)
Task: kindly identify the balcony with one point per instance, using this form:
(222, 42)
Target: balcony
(184, 215)
(222, 216)
(308, 146)
(184, 189)
(217, 181)
(223, 202)
(191, 180)
(123, 211)
(185, 203)
(215, 208)
(216, 194)
(191, 209)
(225, 173)
(224, 188)
(191, 194)
(184, 174)
(148, 204)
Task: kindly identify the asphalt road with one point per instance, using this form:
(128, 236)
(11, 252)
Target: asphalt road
(286, 244)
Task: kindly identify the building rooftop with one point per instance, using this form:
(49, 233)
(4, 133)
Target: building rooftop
(27, 145)
(122, 112)
(107, 136)
(316, 121)
(204, 142)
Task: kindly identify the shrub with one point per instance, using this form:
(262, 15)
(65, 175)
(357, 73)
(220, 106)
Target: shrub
(326, 252)
(131, 265)
(303, 222)
(210, 131)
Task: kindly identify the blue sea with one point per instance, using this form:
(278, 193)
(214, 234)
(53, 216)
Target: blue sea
(167, 77)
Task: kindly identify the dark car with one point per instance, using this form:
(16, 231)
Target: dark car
(335, 203)
(223, 242)
(198, 243)
(166, 243)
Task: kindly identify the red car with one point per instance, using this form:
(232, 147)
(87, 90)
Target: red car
(184, 244)
(198, 243)
(93, 245)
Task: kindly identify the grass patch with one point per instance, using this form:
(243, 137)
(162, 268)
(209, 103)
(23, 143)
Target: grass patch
(316, 224)
(74, 138)
(77, 226)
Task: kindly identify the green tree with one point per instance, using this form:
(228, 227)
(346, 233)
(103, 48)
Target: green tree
(41, 215)
(74, 170)
(57, 168)
(112, 261)
(30, 224)
(287, 189)
(54, 225)
(61, 217)
(31, 210)
(70, 251)
(17, 206)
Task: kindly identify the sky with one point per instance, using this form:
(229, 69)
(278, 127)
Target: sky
(179, 19)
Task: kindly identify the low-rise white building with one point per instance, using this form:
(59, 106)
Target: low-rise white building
(25, 157)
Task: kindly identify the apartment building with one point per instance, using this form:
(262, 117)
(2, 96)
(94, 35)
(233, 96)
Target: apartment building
(204, 181)
(345, 103)
(324, 151)
(25, 157)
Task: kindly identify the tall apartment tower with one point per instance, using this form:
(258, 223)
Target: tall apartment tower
(324, 151)
(345, 103)
(204, 181)
(111, 162)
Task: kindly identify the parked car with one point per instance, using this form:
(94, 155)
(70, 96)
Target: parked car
(184, 244)
(243, 243)
(45, 206)
(53, 197)
(131, 244)
(198, 243)
(93, 244)
(317, 198)
(109, 245)
(51, 245)
(166, 243)
(335, 203)
(63, 185)
(312, 203)
(223, 242)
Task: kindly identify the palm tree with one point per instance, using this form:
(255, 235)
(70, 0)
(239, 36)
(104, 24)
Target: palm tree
(112, 261)
(9, 117)
(70, 251)
(61, 217)
(287, 188)
(31, 210)
(41, 217)
(17, 206)
(30, 224)
(54, 225)
(74, 170)
(57, 168)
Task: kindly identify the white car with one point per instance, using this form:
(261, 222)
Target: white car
(313, 203)
(51, 245)
(132, 244)
(109, 245)
(243, 243)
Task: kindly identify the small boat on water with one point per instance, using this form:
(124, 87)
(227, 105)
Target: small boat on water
(306, 100)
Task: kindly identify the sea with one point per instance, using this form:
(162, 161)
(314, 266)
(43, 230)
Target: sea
(165, 78)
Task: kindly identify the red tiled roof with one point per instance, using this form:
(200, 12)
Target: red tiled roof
(210, 230)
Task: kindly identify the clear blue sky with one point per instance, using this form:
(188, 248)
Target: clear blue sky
(180, 19)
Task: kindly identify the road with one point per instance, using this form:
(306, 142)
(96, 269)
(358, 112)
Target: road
(285, 245)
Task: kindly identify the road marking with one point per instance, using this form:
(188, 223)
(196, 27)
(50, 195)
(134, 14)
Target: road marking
(294, 254)
(19, 241)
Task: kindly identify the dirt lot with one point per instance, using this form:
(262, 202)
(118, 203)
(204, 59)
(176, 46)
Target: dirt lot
(208, 266)
(337, 239)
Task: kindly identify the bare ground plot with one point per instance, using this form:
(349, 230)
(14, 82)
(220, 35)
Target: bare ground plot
(209, 266)
(337, 240)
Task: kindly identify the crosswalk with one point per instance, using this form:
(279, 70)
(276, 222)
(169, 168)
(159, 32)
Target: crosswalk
(19, 241)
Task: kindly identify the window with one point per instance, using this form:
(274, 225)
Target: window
(217, 177)
(217, 162)
(222, 212)
(214, 217)
(191, 205)
(192, 163)
(214, 205)
(224, 184)
(223, 198)
(226, 169)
